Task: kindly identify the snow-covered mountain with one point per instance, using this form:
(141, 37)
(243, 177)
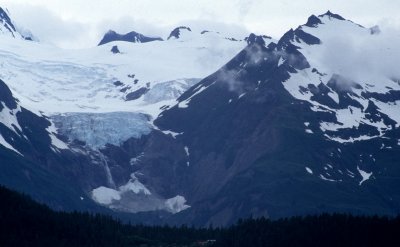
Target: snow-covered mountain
(207, 126)
(363, 106)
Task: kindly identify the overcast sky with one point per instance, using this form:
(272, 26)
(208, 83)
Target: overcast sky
(81, 23)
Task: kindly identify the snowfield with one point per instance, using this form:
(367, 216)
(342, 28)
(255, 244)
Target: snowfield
(53, 80)
(84, 90)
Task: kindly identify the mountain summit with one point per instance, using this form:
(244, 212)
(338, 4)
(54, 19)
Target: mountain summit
(133, 37)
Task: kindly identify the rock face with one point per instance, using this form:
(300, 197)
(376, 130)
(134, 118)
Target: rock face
(133, 37)
(136, 94)
(176, 33)
(115, 49)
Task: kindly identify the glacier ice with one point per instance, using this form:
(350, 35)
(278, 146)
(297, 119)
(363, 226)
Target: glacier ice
(168, 90)
(99, 129)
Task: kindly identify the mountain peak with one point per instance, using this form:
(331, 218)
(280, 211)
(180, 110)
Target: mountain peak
(255, 39)
(332, 15)
(133, 37)
(176, 33)
(313, 21)
(306, 36)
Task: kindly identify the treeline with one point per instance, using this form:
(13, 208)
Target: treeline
(24, 222)
(336, 230)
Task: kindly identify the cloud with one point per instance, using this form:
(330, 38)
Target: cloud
(362, 57)
(228, 29)
(231, 78)
(49, 28)
(77, 23)
(255, 54)
(244, 7)
(127, 24)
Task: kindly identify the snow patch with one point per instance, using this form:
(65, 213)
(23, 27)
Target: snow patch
(281, 61)
(351, 139)
(5, 144)
(365, 175)
(334, 96)
(55, 142)
(134, 186)
(105, 196)
(328, 179)
(8, 117)
(185, 103)
(176, 204)
(173, 134)
(136, 159)
(187, 154)
(187, 151)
